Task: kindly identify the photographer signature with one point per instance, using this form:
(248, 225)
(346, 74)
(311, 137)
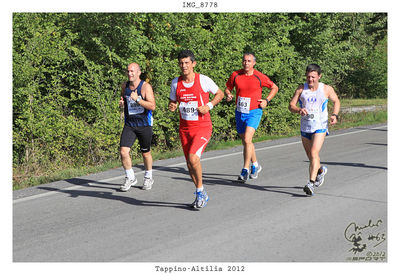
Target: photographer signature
(362, 235)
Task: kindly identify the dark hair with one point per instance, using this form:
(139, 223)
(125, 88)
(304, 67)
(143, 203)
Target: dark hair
(186, 53)
(313, 68)
(250, 53)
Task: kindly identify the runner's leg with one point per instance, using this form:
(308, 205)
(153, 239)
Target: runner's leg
(307, 144)
(144, 136)
(128, 137)
(312, 148)
(148, 161)
(249, 153)
(317, 142)
(126, 158)
(195, 170)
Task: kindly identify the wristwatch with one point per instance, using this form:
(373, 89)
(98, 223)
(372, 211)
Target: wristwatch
(138, 99)
(335, 116)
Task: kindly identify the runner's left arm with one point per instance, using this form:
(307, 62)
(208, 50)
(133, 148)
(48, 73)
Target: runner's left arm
(336, 104)
(209, 85)
(219, 95)
(273, 90)
(148, 101)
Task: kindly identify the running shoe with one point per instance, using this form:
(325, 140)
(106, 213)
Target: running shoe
(309, 189)
(127, 184)
(255, 171)
(244, 175)
(147, 183)
(320, 177)
(201, 199)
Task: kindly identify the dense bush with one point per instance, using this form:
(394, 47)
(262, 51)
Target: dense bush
(67, 70)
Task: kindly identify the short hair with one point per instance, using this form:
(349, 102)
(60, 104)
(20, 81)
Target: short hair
(186, 53)
(313, 68)
(250, 53)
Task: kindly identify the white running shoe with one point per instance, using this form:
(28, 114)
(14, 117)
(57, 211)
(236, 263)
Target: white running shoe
(127, 184)
(320, 177)
(309, 189)
(147, 183)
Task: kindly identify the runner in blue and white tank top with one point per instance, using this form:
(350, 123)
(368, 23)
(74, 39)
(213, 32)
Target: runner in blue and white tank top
(316, 104)
(135, 114)
(137, 99)
(312, 97)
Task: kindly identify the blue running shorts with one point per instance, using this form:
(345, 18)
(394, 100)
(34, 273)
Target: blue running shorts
(309, 135)
(252, 119)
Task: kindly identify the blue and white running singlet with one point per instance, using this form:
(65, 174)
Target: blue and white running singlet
(317, 107)
(135, 114)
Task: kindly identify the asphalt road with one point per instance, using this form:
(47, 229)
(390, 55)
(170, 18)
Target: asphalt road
(269, 219)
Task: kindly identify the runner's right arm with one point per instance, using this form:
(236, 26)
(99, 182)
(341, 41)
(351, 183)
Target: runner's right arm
(293, 103)
(172, 105)
(229, 96)
(121, 101)
(229, 87)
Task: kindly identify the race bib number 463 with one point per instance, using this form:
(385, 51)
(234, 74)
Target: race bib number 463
(243, 104)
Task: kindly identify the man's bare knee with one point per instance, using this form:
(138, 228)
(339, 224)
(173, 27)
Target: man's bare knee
(146, 154)
(194, 160)
(124, 151)
(314, 154)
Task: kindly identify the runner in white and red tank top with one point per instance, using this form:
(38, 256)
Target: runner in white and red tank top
(191, 91)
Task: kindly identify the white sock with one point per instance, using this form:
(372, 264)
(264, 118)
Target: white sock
(148, 174)
(130, 174)
(200, 189)
(255, 164)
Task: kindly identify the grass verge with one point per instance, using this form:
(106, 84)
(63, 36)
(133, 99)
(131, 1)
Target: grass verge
(362, 102)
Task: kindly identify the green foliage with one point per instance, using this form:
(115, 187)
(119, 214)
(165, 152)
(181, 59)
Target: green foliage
(67, 71)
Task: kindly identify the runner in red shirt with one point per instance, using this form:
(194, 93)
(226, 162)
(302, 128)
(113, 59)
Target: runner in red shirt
(248, 83)
(191, 91)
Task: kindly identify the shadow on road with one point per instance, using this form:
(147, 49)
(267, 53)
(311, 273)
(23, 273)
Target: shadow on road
(352, 164)
(112, 196)
(208, 179)
(374, 143)
(215, 179)
(173, 169)
(230, 179)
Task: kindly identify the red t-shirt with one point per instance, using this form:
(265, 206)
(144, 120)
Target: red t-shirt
(189, 99)
(249, 86)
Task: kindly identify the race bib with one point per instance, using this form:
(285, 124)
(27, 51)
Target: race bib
(188, 110)
(243, 105)
(134, 108)
(311, 121)
(312, 115)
